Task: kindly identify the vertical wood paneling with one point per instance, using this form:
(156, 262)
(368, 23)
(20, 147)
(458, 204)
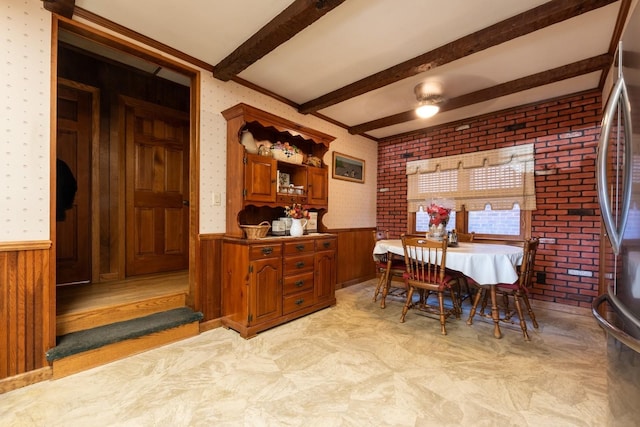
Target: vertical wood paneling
(355, 262)
(4, 314)
(210, 283)
(24, 310)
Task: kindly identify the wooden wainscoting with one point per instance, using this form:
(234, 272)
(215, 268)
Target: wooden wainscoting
(25, 313)
(207, 298)
(355, 262)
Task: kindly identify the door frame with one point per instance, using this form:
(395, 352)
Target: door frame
(193, 74)
(94, 163)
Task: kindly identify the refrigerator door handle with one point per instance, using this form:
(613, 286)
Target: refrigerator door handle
(610, 329)
(615, 231)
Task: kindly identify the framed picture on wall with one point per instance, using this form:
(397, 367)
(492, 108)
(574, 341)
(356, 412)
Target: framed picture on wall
(348, 168)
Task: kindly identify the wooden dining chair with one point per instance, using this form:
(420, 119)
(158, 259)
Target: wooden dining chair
(519, 290)
(425, 262)
(388, 266)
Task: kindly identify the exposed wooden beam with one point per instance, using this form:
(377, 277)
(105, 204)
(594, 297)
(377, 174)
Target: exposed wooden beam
(295, 18)
(527, 22)
(597, 63)
(616, 35)
(61, 7)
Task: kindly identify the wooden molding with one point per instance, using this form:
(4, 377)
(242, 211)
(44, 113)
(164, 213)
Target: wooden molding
(211, 236)
(23, 380)
(25, 246)
(210, 324)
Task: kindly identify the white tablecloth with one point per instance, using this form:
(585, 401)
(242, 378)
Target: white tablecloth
(487, 264)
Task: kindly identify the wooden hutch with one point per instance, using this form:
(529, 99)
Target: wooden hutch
(272, 280)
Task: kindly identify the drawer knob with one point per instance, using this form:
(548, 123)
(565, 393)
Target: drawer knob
(300, 247)
(299, 301)
(300, 264)
(326, 244)
(299, 283)
(267, 251)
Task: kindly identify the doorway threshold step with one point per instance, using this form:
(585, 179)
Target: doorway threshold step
(101, 336)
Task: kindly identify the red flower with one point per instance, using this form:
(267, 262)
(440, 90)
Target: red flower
(438, 214)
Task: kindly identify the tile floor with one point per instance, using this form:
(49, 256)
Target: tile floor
(351, 365)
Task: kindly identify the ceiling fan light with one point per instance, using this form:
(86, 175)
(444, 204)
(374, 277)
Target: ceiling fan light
(424, 111)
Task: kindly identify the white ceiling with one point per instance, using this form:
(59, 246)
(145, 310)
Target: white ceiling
(359, 38)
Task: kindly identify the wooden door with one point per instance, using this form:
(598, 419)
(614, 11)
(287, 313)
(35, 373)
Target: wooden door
(157, 189)
(73, 152)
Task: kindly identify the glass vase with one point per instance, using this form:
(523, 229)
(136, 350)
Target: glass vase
(437, 232)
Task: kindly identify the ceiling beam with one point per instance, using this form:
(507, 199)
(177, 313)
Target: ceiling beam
(61, 7)
(295, 18)
(597, 63)
(519, 25)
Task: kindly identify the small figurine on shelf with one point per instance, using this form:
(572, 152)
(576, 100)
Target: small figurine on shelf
(314, 161)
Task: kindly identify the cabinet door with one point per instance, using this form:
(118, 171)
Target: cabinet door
(265, 293)
(325, 275)
(317, 187)
(260, 174)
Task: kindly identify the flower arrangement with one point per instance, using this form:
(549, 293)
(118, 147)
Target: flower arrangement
(287, 149)
(438, 214)
(296, 211)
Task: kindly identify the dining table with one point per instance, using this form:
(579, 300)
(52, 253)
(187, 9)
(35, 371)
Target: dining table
(487, 264)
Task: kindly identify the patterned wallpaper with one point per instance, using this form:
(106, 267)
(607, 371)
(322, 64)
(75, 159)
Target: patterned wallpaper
(25, 35)
(350, 204)
(24, 159)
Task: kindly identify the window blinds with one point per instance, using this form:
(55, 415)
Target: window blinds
(499, 178)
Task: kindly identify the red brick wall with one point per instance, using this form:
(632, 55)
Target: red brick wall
(565, 134)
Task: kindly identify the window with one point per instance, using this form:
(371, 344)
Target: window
(493, 191)
(499, 222)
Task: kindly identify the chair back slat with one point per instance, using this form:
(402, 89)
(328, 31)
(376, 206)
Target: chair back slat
(425, 259)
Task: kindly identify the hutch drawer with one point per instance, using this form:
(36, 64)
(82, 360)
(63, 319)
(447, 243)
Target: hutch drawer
(298, 264)
(298, 301)
(298, 283)
(301, 246)
(265, 251)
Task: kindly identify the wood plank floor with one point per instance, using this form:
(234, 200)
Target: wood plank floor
(81, 298)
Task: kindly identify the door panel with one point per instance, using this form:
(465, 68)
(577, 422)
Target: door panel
(260, 178)
(73, 226)
(157, 192)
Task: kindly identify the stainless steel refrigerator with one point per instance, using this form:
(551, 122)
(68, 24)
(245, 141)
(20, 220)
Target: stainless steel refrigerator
(618, 181)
